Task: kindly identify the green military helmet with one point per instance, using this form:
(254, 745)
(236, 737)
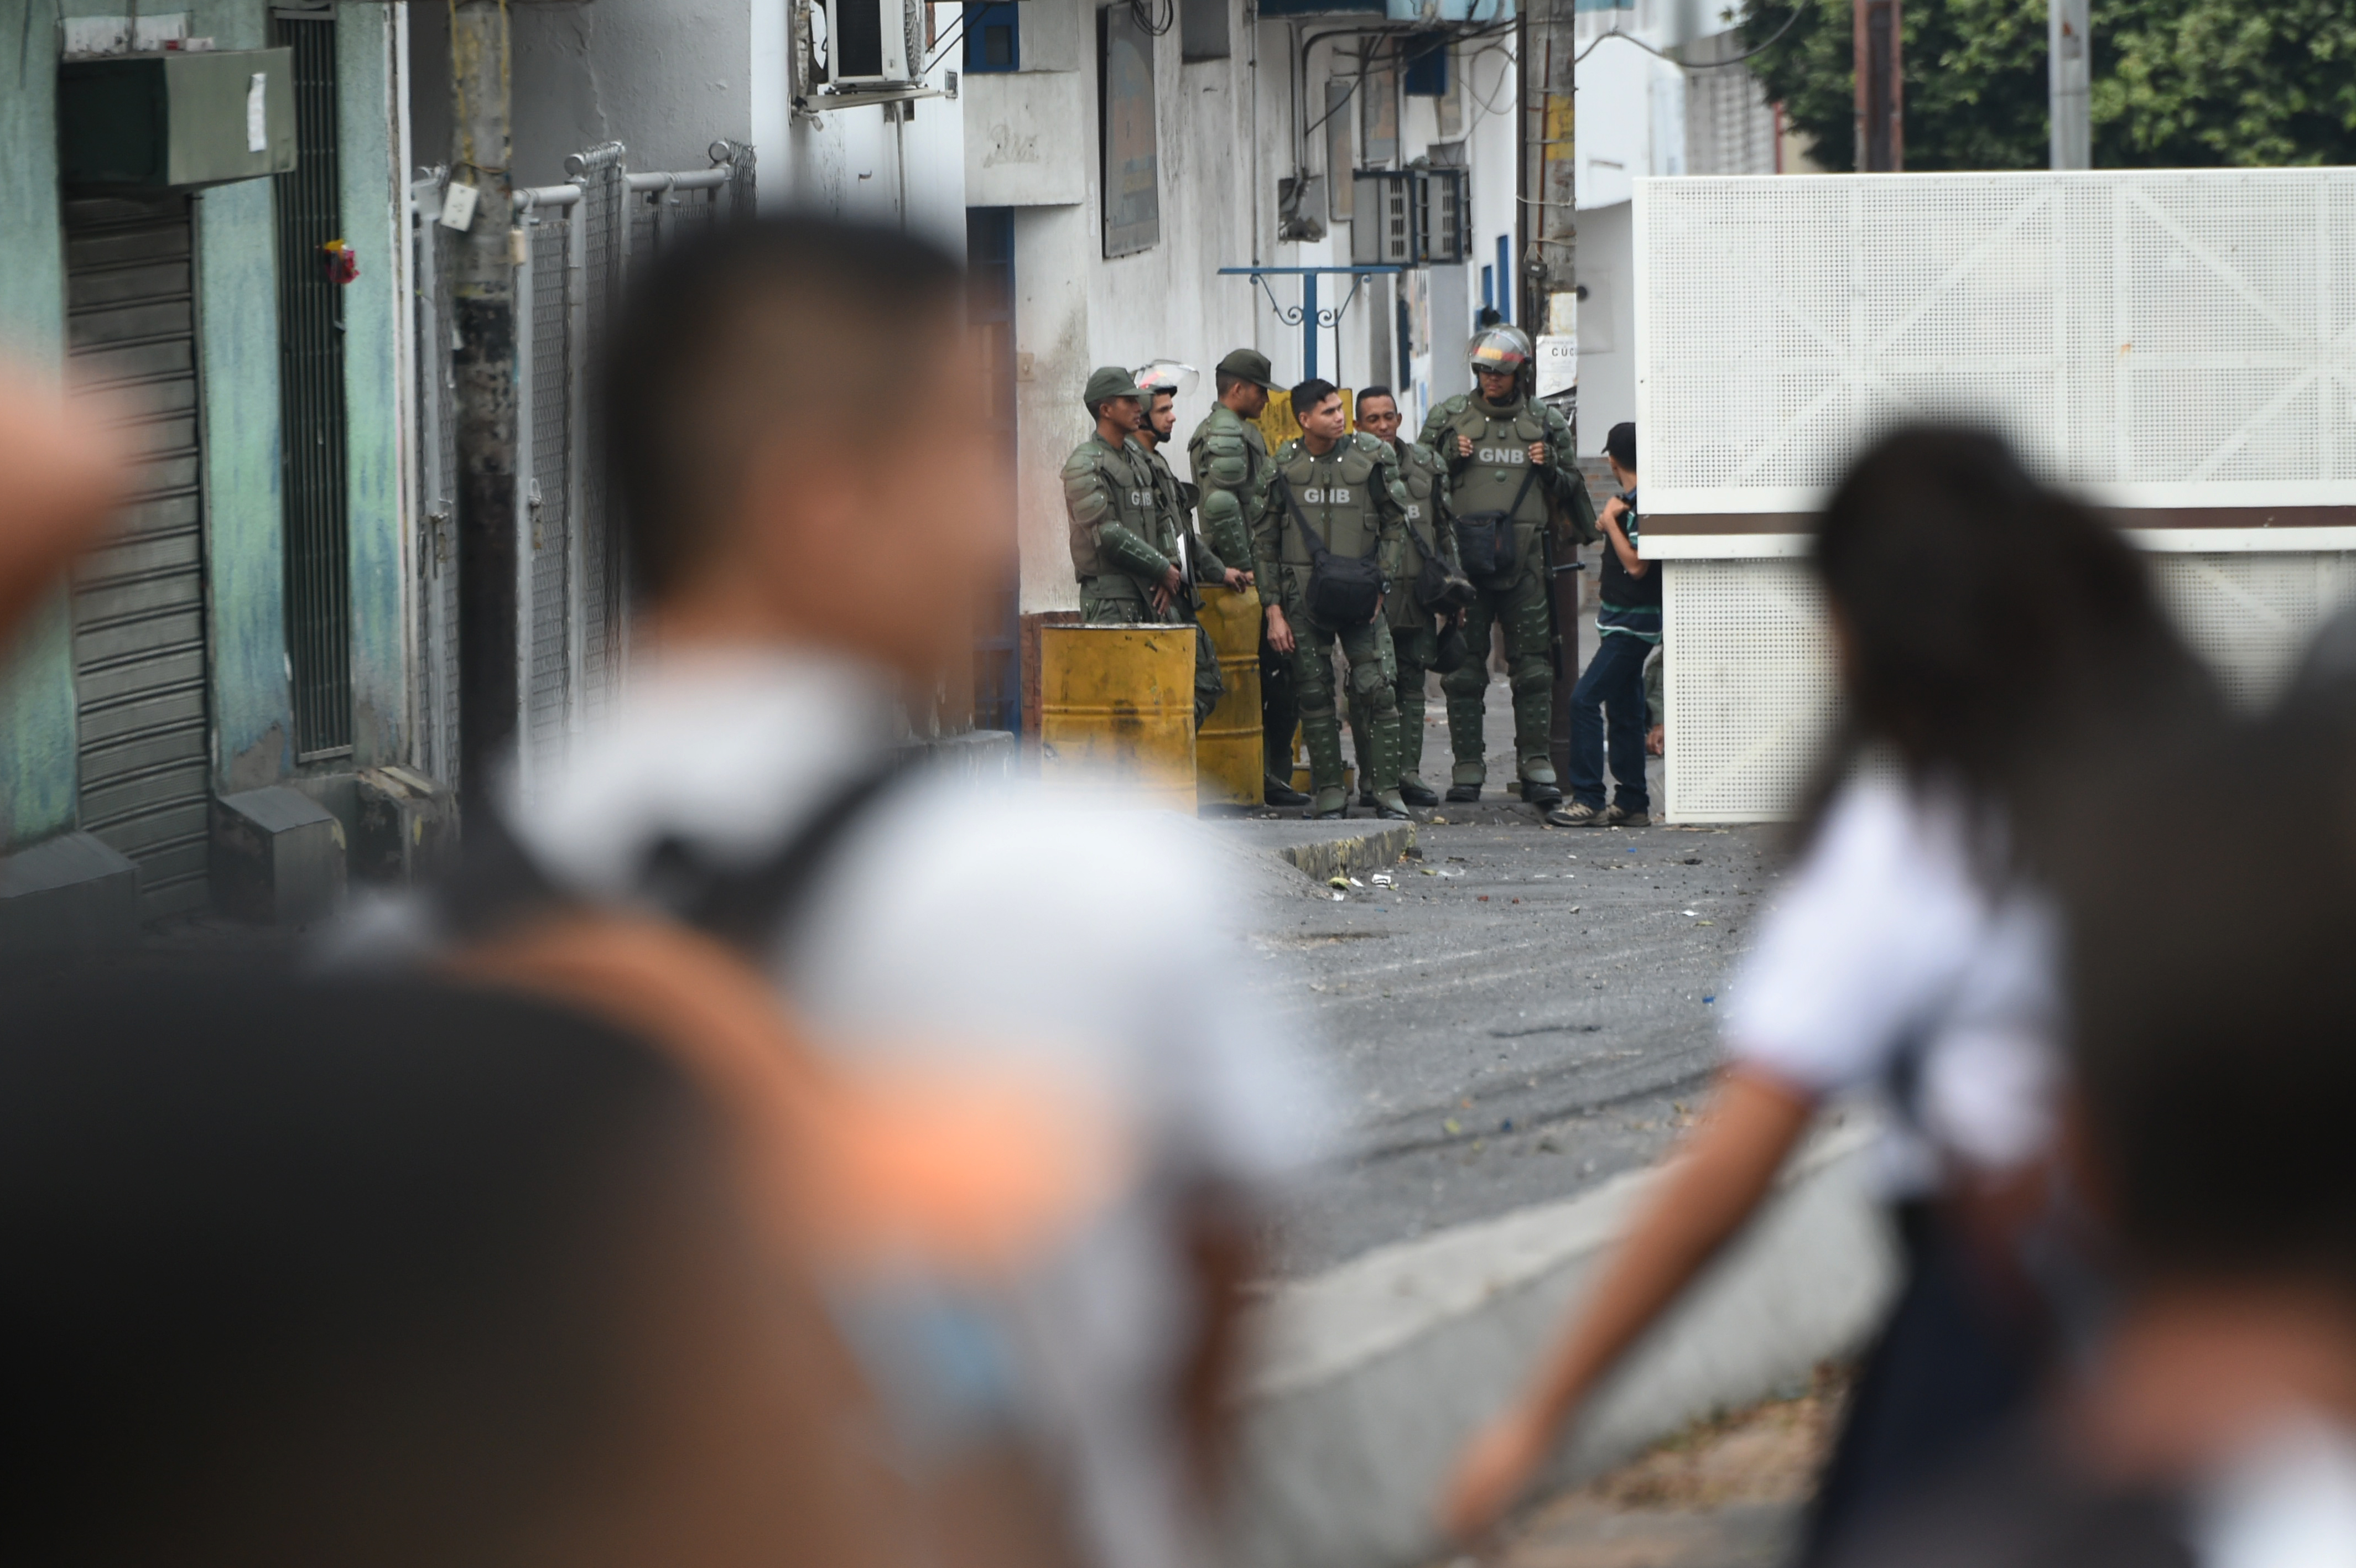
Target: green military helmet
(1501, 350)
(1107, 382)
(1250, 364)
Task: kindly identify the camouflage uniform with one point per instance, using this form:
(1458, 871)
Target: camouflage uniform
(1124, 542)
(1487, 481)
(1415, 631)
(1352, 496)
(1231, 464)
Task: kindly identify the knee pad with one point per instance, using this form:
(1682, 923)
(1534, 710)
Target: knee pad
(1531, 676)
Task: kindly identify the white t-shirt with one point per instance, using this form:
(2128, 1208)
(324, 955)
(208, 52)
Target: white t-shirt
(982, 918)
(1885, 941)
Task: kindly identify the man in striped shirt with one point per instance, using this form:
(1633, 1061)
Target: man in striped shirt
(1628, 628)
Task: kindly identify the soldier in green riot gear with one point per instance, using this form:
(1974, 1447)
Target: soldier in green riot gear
(1510, 464)
(1231, 464)
(1416, 629)
(1125, 546)
(1158, 384)
(1328, 533)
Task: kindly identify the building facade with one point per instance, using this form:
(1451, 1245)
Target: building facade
(244, 629)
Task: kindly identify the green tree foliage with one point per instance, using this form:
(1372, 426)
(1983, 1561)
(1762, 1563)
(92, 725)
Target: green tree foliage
(2178, 83)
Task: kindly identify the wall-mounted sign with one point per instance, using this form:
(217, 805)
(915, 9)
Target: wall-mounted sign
(1132, 196)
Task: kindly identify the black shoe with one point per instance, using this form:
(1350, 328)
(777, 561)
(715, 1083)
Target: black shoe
(1417, 794)
(1540, 794)
(1462, 792)
(1367, 799)
(1276, 792)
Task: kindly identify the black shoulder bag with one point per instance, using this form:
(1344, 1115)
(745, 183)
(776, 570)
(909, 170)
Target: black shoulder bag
(1485, 541)
(1343, 591)
(1434, 590)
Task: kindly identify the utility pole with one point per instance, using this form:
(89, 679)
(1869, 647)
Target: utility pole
(1547, 225)
(484, 365)
(2070, 80)
(1881, 87)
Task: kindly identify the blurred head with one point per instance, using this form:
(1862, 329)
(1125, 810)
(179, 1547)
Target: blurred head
(2214, 1007)
(384, 1273)
(754, 472)
(1378, 413)
(1317, 405)
(1619, 451)
(1990, 630)
(1245, 396)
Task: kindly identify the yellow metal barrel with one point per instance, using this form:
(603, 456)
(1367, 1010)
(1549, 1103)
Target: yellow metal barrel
(1228, 765)
(1116, 710)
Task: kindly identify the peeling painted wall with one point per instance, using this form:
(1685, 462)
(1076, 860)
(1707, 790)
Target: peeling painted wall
(36, 703)
(375, 199)
(237, 328)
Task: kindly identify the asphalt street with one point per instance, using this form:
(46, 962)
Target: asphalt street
(1524, 1013)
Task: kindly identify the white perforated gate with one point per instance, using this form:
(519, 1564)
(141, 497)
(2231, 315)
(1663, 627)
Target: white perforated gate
(580, 240)
(2164, 339)
(1747, 668)
(2179, 346)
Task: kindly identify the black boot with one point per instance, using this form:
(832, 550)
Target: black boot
(1541, 792)
(1416, 793)
(1276, 792)
(1463, 791)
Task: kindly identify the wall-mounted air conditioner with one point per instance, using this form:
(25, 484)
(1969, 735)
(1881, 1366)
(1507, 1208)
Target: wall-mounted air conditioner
(1409, 218)
(870, 44)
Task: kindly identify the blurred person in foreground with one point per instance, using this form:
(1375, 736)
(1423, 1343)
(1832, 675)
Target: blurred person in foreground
(1995, 642)
(796, 574)
(2213, 1008)
(391, 1273)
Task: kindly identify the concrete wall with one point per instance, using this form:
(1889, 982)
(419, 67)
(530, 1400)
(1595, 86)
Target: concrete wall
(1607, 325)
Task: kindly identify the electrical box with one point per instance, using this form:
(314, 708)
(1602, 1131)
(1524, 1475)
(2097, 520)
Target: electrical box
(175, 120)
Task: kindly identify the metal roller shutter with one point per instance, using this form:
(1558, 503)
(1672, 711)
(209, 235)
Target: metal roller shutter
(139, 602)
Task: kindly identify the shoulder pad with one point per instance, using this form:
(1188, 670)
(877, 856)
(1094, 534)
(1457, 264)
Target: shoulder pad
(1221, 440)
(1083, 461)
(1554, 419)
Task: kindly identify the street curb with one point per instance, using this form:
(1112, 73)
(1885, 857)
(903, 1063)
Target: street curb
(1328, 857)
(1372, 1375)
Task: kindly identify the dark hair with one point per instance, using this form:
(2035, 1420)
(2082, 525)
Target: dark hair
(1997, 634)
(1619, 444)
(1377, 391)
(2214, 1004)
(1308, 394)
(727, 337)
(318, 1272)
(1222, 380)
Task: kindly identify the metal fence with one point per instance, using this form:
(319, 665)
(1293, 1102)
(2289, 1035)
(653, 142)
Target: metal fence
(578, 240)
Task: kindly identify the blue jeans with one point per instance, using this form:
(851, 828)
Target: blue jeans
(1614, 678)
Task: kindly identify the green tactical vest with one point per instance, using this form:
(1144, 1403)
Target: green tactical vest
(1171, 497)
(1336, 494)
(1130, 489)
(1500, 462)
(1419, 472)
